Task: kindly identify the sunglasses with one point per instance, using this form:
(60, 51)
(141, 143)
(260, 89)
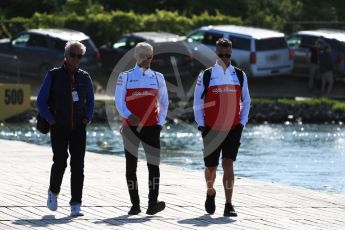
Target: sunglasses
(74, 55)
(224, 55)
(149, 57)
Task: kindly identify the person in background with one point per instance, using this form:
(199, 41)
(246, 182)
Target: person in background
(314, 63)
(221, 108)
(66, 101)
(326, 71)
(141, 99)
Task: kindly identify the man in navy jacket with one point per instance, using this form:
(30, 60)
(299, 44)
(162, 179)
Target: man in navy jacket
(66, 101)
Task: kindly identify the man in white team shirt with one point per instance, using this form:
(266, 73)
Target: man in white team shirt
(141, 99)
(221, 108)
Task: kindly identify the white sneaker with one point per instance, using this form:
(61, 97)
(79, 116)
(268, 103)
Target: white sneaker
(75, 210)
(52, 201)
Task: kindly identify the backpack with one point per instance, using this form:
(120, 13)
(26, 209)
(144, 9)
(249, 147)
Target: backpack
(207, 78)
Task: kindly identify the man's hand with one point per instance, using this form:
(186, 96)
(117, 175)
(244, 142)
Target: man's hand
(201, 128)
(85, 121)
(53, 122)
(133, 120)
(240, 126)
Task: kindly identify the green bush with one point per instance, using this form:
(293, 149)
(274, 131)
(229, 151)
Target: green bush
(105, 27)
(166, 21)
(336, 105)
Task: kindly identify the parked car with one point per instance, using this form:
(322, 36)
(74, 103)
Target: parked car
(165, 47)
(302, 41)
(34, 51)
(259, 52)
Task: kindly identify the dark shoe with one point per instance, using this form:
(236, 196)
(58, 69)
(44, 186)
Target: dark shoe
(158, 207)
(135, 210)
(229, 210)
(210, 205)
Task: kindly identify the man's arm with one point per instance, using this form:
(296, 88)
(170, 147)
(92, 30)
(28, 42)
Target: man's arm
(90, 101)
(163, 101)
(43, 97)
(120, 96)
(245, 105)
(198, 106)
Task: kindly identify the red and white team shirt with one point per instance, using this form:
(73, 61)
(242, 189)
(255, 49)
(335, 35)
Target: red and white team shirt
(225, 104)
(144, 94)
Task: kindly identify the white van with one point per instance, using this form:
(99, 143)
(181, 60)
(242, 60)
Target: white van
(259, 52)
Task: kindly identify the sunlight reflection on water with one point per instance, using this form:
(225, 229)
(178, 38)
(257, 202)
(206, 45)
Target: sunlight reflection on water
(312, 156)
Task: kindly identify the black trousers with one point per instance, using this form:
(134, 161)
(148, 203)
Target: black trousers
(149, 136)
(62, 140)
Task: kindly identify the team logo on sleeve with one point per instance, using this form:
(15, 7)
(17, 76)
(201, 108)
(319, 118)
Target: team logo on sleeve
(199, 81)
(119, 80)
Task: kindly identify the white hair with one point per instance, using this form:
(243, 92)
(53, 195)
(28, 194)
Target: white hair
(72, 44)
(142, 51)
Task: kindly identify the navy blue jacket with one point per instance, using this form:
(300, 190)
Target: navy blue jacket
(58, 104)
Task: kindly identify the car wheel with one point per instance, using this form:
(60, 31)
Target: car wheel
(43, 70)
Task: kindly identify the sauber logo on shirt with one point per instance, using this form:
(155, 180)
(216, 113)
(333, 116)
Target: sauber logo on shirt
(224, 90)
(143, 93)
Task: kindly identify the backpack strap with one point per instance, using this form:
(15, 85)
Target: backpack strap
(206, 81)
(239, 74)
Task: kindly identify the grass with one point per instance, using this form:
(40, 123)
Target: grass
(336, 105)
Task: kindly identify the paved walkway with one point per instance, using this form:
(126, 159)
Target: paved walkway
(25, 174)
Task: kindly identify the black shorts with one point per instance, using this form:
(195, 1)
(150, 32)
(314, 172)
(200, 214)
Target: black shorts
(227, 142)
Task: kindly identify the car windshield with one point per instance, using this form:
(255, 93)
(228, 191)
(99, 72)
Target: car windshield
(207, 38)
(120, 43)
(270, 44)
(21, 40)
(294, 41)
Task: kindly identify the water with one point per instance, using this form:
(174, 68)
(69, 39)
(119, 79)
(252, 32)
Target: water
(311, 156)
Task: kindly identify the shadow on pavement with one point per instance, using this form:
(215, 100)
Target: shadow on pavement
(125, 219)
(45, 221)
(206, 220)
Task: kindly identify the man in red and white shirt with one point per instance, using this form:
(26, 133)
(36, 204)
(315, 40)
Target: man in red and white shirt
(141, 99)
(221, 111)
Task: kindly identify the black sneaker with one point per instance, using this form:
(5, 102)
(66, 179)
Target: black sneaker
(210, 205)
(229, 210)
(158, 207)
(135, 210)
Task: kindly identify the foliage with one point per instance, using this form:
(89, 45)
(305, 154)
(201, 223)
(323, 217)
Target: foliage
(105, 20)
(106, 27)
